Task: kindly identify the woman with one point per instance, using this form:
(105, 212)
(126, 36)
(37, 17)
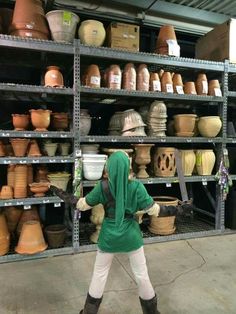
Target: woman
(123, 199)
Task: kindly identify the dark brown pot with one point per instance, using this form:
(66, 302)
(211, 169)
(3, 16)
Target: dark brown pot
(6, 16)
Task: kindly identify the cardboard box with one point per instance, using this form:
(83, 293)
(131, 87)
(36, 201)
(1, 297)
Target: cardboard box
(219, 44)
(123, 36)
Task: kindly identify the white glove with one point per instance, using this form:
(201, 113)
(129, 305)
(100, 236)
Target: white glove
(82, 205)
(154, 210)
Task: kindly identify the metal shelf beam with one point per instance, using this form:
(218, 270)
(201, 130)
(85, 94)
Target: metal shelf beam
(31, 201)
(35, 134)
(36, 160)
(20, 88)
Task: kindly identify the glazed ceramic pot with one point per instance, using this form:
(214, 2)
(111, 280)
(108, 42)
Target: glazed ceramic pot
(189, 88)
(31, 239)
(205, 161)
(19, 146)
(62, 25)
(59, 179)
(6, 192)
(40, 119)
(129, 77)
(34, 150)
(92, 76)
(142, 158)
(12, 214)
(209, 126)
(4, 236)
(56, 235)
(164, 162)
(60, 121)
(184, 124)
(92, 33)
(20, 121)
(143, 78)
(39, 188)
(97, 216)
(188, 159)
(50, 148)
(155, 83)
(53, 77)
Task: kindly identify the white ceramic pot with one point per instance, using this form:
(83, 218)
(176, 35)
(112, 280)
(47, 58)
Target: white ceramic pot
(62, 25)
(93, 166)
(85, 125)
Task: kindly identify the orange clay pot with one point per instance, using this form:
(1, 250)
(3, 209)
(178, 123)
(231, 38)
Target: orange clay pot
(19, 146)
(20, 121)
(40, 119)
(53, 77)
(33, 149)
(6, 192)
(39, 188)
(4, 235)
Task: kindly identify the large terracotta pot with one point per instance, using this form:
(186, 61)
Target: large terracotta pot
(53, 77)
(129, 77)
(20, 121)
(92, 33)
(164, 162)
(142, 158)
(34, 150)
(19, 146)
(40, 119)
(92, 76)
(4, 235)
(184, 124)
(188, 158)
(205, 161)
(209, 126)
(27, 215)
(13, 214)
(62, 25)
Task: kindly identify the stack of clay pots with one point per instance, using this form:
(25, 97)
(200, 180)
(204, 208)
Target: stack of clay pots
(166, 43)
(20, 181)
(29, 20)
(132, 123)
(157, 117)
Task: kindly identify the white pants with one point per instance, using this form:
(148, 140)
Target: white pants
(138, 264)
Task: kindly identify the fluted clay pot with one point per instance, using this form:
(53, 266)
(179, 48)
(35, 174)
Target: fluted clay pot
(188, 158)
(164, 162)
(155, 83)
(97, 216)
(19, 146)
(189, 88)
(92, 33)
(205, 161)
(143, 78)
(53, 77)
(163, 225)
(28, 16)
(202, 84)
(142, 158)
(4, 235)
(214, 88)
(6, 15)
(178, 83)
(40, 119)
(39, 188)
(114, 77)
(129, 77)
(56, 235)
(34, 150)
(92, 76)
(13, 214)
(27, 215)
(11, 175)
(20, 181)
(167, 83)
(6, 192)
(184, 124)
(2, 149)
(209, 126)
(20, 121)
(60, 121)
(31, 239)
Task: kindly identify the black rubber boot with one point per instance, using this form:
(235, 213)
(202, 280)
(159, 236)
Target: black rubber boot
(149, 306)
(166, 211)
(91, 305)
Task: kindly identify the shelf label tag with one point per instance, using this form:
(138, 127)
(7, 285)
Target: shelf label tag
(96, 80)
(63, 135)
(23, 161)
(179, 89)
(169, 88)
(168, 185)
(156, 85)
(67, 17)
(205, 87)
(7, 162)
(173, 48)
(8, 204)
(35, 161)
(27, 135)
(78, 153)
(44, 135)
(19, 203)
(27, 207)
(45, 201)
(57, 204)
(204, 182)
(218, 92)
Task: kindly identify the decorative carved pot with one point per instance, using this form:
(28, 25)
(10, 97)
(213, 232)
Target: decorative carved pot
(53, 77)
(20, 121)
(92, 33)
(40, 119)
(164, 162)
(4, 235)
(142, 158)
(188, 158)
(205, 161)
(209, 126)
(96, 218)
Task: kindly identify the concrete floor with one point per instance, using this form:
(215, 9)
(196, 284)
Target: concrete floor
(190, 277)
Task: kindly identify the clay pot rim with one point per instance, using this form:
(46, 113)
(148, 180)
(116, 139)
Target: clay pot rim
(190, 115)
(38, 184)
(40, 110)
(209, 117)
(50, 228)
(20, 114)
(62, 11)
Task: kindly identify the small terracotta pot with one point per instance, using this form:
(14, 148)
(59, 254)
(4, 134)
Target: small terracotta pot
(189, 88)
(53, 77)
(19, 146)
(34, 150)
(40, 119)
(20, 121)
(155, 83)
(92, 76)
(167, 83)
(2, 149)
(39, 188)
(31, 239)
(4, 235)
(27, 215)
(12, 214)
(214, 88)
(6, 192)
(202, 84)
(60, 121)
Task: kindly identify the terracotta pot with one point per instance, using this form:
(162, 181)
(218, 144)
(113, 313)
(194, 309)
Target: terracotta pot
(142, 158)
(164, 162)
(189, 88)
(167, 83)
(50, 149)
(12, 214)
(20, 182)
(4, 236)
(209, 126)
(6, 192)
(53, 77)
(92, 33)
(178, 83)
(56, 235)
(29, 34)
(30, 176)
(114, 77)
(40, 119)
(59, 179)
(185, 123)
(60, 121)
(2, 149)
(29, 16)
(143, 78)
(41, 174)
(62, 25)
(205, 161)
(214, 88)
(129, 77)
(34, 150)
(27, 215)
(39, 188)
(188, 158)
(9, 150)
(92, 76)
(6, 16)
(202, 84)
(11, 175)
(31, 239)
(19, 146)
(155, 83)
(166, 32)
(20, 121)
(166, 43)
